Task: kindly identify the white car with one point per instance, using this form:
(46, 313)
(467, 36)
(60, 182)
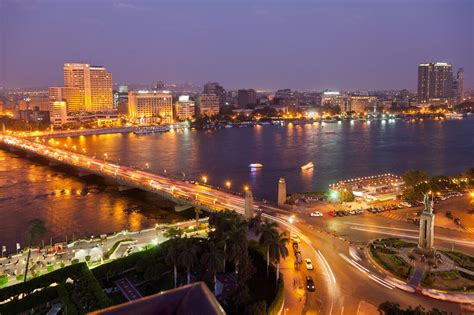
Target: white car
(316, 214)
(309, 264)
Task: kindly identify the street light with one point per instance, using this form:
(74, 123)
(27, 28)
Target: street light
(228, 184)
(204, 179)
(147, 165)
(246, 187)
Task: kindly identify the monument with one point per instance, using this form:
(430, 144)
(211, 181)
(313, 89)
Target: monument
(281, 191)
(426, 235)
(249, 211)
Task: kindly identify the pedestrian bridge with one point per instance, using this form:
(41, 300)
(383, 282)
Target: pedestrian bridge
(181, 192)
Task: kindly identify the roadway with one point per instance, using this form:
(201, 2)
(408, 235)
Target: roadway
(341, 287)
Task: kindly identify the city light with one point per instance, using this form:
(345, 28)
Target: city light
(228, 184)
(204, 179)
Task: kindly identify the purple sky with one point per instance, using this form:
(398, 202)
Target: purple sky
(308, 44)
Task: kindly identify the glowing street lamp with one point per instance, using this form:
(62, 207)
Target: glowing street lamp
(228, 184)
(147, 165)
(204, 179)
(246, 187)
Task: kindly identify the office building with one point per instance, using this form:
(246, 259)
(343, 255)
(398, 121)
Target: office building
(435, 83)
(150, 107)
(215, 88)
(70, 95)
(246, 97)
(93, 84)
(184, 108)
(336, 99)
(208, 104)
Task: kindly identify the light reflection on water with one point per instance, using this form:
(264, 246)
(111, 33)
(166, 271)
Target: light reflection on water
(68, 204)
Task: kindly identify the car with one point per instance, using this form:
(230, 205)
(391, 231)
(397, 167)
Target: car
(332, 213)
(309, 264)
(310, 283)
(316, 214)
(352, 212)
(298, 257)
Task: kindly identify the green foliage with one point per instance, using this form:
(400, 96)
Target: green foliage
(346, 196)
(3, 280)
(74, 261)
(50, 268)
(28, 302)
(20, 277)
(463, 260)
(414, 177)
(277, 303)
(68, 306)
(391, 308)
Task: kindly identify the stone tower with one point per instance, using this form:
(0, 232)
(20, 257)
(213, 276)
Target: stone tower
(427, 217)
(249, 211)
(281, 191)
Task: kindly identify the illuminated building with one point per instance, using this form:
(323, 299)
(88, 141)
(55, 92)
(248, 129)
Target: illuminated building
(208, 104)
(184, 108)
(334, 99)
(246, 97)
(58, 113)
(94, 86)
(215, 88)
(70, 95)
(458, 87)
(435, 83)
(363, 103)
(150, 107)
(34, 102)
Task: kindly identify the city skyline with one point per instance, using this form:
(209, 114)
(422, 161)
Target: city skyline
(267, 52)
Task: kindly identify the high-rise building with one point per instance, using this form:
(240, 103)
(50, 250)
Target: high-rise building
(435, 82)
(94, 86)
(184, 108)
(458, 87)
(246, 97)
(150, 107)
(208, 104)
(215, 88)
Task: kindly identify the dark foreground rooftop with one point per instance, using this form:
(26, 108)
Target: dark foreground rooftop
(194, 298)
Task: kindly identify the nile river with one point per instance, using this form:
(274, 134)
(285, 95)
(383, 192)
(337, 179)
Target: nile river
(29, 189)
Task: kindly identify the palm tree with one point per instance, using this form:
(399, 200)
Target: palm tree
(211, 259)
(237, 243)
(34, 231)
(278, 250)
(188, 255)
(255, 223)
(268, 232)
(172, 256)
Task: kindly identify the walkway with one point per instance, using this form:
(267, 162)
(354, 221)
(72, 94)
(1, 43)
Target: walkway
(128, 289)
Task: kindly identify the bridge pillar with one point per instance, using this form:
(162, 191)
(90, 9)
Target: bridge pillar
(249, 211)
(281, 192)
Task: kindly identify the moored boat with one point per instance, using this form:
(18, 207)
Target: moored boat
(307, 166)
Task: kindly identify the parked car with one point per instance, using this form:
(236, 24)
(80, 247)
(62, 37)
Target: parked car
(332, 213)
(310, 283)
(316, 214)
(309, 264)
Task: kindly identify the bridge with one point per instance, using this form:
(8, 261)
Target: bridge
(181, 192)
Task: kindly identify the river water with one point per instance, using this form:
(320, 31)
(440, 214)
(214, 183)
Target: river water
(89, 206)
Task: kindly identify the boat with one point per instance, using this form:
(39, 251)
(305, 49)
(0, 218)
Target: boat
(255, 165)
(307, 166)
(454, 116)
(151, 129)
(330, 132)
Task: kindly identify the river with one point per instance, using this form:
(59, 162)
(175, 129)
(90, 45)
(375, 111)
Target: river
(89, 206)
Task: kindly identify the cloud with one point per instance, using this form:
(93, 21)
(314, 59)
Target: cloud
(128, 6)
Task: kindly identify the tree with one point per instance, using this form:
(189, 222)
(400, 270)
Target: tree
(278, 250)
(413, 177)
(346, 196)
(188, 255)
(391, 308)
(237, 243)
(255, 223)
(268, 232)
(172, 256)
(34, 232)
(173, 232)
(211, 259)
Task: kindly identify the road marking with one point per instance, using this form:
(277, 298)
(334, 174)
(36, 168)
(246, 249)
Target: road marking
(342, 310)
(384, 227)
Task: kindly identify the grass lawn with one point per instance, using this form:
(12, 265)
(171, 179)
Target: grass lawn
(463, 260)
(392, 263)
(448, 280)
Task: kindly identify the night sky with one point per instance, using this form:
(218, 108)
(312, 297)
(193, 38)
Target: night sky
(350, 44)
